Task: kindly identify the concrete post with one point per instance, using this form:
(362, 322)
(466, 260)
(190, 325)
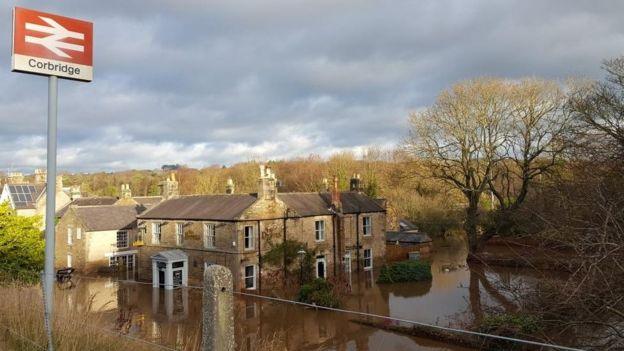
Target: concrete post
(218, 309)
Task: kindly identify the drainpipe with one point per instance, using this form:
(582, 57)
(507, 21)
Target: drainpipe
(259, 259)
(357, 239)
(284, 247)
(334, 235)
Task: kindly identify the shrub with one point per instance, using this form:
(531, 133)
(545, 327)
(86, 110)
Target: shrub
(21, 246)
(405, 271)
(319, 292)
(510, 324)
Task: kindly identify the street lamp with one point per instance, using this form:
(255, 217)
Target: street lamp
(301, 254)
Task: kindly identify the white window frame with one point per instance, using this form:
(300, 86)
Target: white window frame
(179, 231)
(210, 235)
(251, 236)
(70, 240)
(367, 229)
(69, 260)
(319, 230)
(156, 233)
(369, 258)
(127, 239)
(253, 276)
(78, 233)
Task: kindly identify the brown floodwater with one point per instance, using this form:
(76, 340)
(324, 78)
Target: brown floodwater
(173, 318)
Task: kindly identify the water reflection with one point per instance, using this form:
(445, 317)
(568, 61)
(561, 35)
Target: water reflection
(173, 317)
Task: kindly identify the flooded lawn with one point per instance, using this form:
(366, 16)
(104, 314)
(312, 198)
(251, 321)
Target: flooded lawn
(173, 318)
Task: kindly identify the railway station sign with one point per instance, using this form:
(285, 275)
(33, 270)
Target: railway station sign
(52, 45)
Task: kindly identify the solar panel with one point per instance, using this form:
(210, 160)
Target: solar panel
(23, 195)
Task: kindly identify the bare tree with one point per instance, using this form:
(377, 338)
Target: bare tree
(537, 138)
(599, 107)
(491, 134)
(460, 139)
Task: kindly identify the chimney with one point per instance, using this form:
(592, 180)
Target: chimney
(40, 176)
(325, 185)
(59, 183)
(126, 193)
(15, 178)
(229, 186)
(267, 187)
(169, 187)
(355, 183)
(74, 192)
(335, 196)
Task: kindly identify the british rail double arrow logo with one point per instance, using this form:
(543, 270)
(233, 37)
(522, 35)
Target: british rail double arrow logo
(53, 42)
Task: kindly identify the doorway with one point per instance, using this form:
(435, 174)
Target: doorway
(320, 267)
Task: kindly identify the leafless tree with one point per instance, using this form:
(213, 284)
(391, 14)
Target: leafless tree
(491, 134)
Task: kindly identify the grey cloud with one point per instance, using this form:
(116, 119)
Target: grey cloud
(203, 82)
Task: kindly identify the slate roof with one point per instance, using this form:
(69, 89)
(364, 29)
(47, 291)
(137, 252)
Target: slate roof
(24, 196)
(230, 207)
(201, 207)
(147, 201)
(354, 202)
(315, 204)
(306, 204)
(108, 217)
(408, 237)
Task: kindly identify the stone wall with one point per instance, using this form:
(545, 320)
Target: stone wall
(76, 249)
(266, 219)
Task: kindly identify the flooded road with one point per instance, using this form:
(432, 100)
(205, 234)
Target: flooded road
(173, 318)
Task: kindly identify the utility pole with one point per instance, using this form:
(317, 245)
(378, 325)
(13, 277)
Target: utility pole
(48, 270)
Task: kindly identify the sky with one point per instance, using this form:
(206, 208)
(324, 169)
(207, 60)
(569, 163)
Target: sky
(218, 82)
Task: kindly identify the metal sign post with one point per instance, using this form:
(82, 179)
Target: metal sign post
(53, 46)
(48, 271)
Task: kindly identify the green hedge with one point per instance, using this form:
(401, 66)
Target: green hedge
(510, 324)
(405, 271)
(319, 292)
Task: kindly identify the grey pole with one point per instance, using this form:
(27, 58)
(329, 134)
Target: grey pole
(48, 270)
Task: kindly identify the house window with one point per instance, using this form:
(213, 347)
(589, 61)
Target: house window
(368, 258)
(249, 237)
(319, 230)
(78, 233)
(69, 260)
(122, 239)
(250, 277)
(367, 225)
(179, 234)
(141, 234)
(209, 235)
(156, 233)
(69, 236)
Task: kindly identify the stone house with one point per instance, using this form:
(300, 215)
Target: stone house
(29, 198)
(95, 234)
(345, 229)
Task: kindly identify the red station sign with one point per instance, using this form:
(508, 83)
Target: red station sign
(52, 45)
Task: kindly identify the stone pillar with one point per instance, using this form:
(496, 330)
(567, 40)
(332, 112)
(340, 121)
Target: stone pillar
(169, 276)
(218, 309)
(154, 274)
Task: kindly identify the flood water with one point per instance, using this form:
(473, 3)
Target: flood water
(173, 318)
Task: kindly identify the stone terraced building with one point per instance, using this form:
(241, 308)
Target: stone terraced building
(179, 235)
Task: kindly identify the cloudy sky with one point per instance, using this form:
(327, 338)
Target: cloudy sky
(206, 82)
